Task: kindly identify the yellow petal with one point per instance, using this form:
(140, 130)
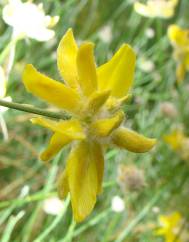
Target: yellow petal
(180, 72)
(98, 157)
(164, 9)
(174, 2)
(132, 141)
(97, 100)
(57, 142)
(168, 224)
(178, 36)
(86, 68)
(83, 179)
(70, 128)
(175, 139)
(144, 10)
(174, 219)
(50, 90)
(53, 21)
(160, 231)
(116, 103)
(103, 127)
(186, 60)
(163, 221)
(66, 59)
(62, 185)
(117, 74)
(168, 12)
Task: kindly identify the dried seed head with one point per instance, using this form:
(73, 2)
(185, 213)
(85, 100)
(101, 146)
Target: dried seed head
(130, 178)
(168, 109)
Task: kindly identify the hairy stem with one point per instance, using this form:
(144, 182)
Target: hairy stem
(30, 109)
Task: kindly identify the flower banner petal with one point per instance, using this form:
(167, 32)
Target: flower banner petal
(103, 127)
(50, 90)
(132, 141)
(66, 59)
(70, 128)
(86, 68)
(117, 74)
(97, 99)
(98, 157)
(83, 180)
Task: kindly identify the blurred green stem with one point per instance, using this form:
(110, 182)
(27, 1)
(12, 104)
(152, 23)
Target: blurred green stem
(94, 221)
(126, 232)
(70, 232)
(55, 222)
(31, 198)
(10, 226)
(7, 49)
(159, 29)
(30, 109)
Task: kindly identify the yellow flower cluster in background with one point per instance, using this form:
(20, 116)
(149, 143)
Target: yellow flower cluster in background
(170, 226)
(179, 142)
(180, 41)
(156, 8)
(94, 96)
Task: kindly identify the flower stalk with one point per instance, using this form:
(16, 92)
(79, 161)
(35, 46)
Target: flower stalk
(7, 49)
(30, 109)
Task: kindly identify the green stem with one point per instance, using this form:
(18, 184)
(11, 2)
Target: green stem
(31, 198)
(6, 50)
(126, 232)
(30, 109)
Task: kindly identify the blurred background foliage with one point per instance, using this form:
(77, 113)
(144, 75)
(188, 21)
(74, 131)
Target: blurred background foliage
(26, 183)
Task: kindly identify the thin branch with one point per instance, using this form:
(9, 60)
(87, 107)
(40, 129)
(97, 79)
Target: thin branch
(30, 109)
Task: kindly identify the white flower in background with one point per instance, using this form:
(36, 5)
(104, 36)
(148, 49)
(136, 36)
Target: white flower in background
(156, 8)
(3, 88)
(2, 83)
(105, 34)
(155, 209)
(146, 65)
(117, 204)
(53, 205)
(150, 33)
(24, 191)
(29, 20)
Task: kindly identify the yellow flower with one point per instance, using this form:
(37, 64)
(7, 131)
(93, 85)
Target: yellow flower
(175, 139)
(156, 8)
(180, 41)
(179, 142)
(29, 20)
(170, 226)
(93, 95)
